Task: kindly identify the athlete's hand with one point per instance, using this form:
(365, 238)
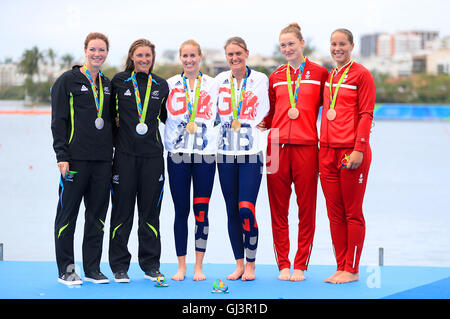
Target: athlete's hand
(356, 158)
(261, 126)
(117, 122)
(63, 168)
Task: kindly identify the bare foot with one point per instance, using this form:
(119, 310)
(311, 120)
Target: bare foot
(249, 273)
(298, 275)
(179, 276)
(198, 267)
(285, 274)
(198, 273)
(239, 270)
(346, 277)
(332, 278)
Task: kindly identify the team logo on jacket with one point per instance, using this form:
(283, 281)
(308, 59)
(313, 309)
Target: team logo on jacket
(155, 94)
(127, 92)
(176, 104)
(84, 88)
(249, 104)
(307, 75)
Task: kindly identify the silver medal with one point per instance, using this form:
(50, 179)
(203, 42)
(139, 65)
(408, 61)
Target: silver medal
(99, 123)
(141, 128)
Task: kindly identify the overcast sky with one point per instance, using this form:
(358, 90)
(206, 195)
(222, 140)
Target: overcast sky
(63, 25)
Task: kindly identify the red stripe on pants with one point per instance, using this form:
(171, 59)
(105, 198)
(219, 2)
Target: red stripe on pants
(201, 200)
(249, 205)
(344, 193)
(200, 217)
(298, 164)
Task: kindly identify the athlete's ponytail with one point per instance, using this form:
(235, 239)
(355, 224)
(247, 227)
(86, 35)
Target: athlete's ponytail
(293, 28)
(129, 65)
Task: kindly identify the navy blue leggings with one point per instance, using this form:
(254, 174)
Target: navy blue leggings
(240, 179)
(182, 168)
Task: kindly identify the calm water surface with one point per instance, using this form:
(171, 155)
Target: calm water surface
(407, 203)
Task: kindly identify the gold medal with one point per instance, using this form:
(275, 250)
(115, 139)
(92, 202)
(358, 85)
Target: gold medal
(293, 113)
(331, 114)
(236, 125)
(191, 127)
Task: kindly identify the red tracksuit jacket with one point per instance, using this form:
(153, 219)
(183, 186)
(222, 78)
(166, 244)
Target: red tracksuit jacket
(303, 130)
(354, 110)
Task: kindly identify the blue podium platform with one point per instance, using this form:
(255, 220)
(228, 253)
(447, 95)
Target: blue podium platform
(38, 281)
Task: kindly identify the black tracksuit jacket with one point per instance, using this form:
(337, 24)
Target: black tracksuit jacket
(123, 100)
(75, 136)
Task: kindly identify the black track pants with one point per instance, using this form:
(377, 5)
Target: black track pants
(140, 178)
(88, 180)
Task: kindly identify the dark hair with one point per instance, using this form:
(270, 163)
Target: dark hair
(238, 41)
(293, 28)
(96, 35)
(129, 65)
(347, 32)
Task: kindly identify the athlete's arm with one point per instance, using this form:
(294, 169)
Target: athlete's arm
(60, 97)
(366, 104)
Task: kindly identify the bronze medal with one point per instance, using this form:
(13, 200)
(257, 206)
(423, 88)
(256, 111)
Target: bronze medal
(293, 113)
(331, 114)
(191, 127)
(236, 125)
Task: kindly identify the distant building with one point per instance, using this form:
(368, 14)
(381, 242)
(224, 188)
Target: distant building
(425, 36)
(388, 45)
(434, 62)
(396, 66)
(259, 60)
(385, 45)
(10, 76)
(368, 44)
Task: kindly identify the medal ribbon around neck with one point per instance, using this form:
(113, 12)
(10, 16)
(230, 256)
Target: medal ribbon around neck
(293, 97)
(192, 108)
(237, 108)
(98, 104)
(334, 97)
(142, 112)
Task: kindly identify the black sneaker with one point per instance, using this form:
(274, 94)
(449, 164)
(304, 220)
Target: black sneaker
(121, 276)
(153, 274)
(96, 278)
(70, 279)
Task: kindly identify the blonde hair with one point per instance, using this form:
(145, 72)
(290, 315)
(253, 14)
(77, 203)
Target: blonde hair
(129, 65)
(237, 41)
(193, 43)
(293, 28)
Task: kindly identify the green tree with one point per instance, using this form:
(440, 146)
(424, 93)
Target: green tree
(110, 71)
(67, 60)
(167, 70)
(29, 63)
(51, 55)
